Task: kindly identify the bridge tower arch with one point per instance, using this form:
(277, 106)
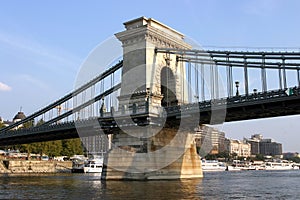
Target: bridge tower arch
(168, 87)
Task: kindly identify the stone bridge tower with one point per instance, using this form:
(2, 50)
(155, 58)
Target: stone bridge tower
(156, 150)
(143, 69)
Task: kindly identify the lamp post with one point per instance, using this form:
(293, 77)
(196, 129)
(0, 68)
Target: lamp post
(237, 88)
(255, 91)
(103, 108)
(147, 99)
(197, 98)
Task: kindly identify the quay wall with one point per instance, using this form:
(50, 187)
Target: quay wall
(34, 166)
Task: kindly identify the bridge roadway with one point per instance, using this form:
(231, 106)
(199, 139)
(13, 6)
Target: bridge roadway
(245, 107)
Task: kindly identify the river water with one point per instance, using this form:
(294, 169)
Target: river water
(215, 185)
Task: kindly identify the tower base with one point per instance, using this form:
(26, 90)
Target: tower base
(169, 156)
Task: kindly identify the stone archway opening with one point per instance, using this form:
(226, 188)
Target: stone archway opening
(168, 87)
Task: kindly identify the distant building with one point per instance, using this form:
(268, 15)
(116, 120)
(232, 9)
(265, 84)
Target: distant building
(210, 140)
(18, 117)
(96, 145)
(254, 142)
(266, 147)
(289, 155)
(5, 122)
(238, 147)
(269, 147)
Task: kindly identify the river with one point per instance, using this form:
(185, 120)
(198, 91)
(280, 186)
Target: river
(215, 185)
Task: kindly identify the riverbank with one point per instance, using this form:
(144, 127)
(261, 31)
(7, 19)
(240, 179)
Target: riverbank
(34, 166)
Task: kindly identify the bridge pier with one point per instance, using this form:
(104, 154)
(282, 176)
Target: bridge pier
(156, 149)
(167, 155)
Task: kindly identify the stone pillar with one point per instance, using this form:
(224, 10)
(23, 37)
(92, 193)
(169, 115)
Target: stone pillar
(153, 151)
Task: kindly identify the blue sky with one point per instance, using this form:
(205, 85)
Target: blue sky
(43, 43)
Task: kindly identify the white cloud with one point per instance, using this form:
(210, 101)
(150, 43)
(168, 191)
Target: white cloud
(4, 87)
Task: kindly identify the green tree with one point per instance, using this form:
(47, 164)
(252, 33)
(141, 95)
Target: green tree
(40, 122)
(72, 147)
(2, 125)
(37, 148)
(32, 147)
(260, 157)
(295, 159)
(211, 157)
(224, 154)
(233, 155)
(53, 148)
(28, 124)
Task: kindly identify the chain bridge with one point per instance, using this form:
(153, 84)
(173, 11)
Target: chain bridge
(164, 83)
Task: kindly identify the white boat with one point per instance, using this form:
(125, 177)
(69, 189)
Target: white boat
(78, 162)
(238, 165)
(279, 166)
(257, 165)
(296, 166)
(94, 166)
(212, 165)
(77, 165)
(234, 168)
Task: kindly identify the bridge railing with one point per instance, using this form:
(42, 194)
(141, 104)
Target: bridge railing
(255, 97)
(143, 109)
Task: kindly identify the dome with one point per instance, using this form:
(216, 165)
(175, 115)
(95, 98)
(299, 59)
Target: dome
(19, 116)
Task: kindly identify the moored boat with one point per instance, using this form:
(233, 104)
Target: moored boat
(238, 165)
(212, 165)
(279, 165)
(94, 165)
(77, 166)
(258, 165)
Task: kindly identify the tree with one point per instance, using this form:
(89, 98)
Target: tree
(295, 159)
(28, 124)
(2, 125)
(233, 155)
(224, 154)
(54, 148)
(260, 157)
(37, 148)
(72, 147)
(211, 157)
(40, 122)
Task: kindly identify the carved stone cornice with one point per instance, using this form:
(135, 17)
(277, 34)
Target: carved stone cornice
(152, 35)
(163, 40)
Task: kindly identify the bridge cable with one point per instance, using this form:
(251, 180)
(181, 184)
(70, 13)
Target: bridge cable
(280, 76)
(197, 82)
(217, 81)
(189, 82)
(284, 72)
(298, 76)
(263, 75)
(212, 81)
(202, 82)
(246, 76)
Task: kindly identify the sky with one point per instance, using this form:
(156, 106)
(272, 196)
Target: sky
(44, 43)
